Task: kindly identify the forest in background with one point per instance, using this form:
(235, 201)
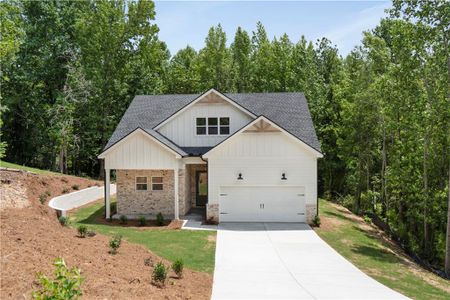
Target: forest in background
(69, 70)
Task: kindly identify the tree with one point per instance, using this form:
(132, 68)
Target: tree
(214, 61)
(183, 77)
(261, 60)
(241, 64)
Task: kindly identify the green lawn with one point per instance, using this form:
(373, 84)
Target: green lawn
(375, 257)
(5, 164)
(196, 248)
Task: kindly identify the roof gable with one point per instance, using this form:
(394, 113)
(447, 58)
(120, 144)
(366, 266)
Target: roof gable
(210, 97)
(262, 124)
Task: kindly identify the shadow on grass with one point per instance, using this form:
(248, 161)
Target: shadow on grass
(95, 218)
(378, 254)
(339, 216)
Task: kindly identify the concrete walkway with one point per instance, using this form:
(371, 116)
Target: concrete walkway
(76, 199)
(286, 261)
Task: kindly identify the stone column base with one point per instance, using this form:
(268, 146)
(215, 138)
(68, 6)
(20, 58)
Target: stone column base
(311, 211)
(212, 213)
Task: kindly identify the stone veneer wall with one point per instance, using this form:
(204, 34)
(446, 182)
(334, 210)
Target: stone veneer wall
(132, 202)
(192, 173)
(212, 212)
(183, 195)
(311, 210)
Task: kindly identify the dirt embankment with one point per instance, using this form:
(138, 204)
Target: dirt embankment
(31, 238)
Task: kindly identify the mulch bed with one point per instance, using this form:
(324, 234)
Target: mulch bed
(31, 238)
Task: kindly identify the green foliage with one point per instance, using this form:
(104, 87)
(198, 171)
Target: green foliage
(142, 221)
(178, 266)
(65, 190)
(367, 219)
(316, 221)
(159, 219)
(65, 285)
(114, 243)
(64, 221)
(75, 187)
(82, 231)
(159, 274)
(42, 198)
(123, 219)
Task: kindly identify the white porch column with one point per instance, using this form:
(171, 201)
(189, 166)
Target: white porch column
(177, 209)
(107, 194)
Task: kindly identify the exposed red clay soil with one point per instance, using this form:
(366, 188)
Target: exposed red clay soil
(31, 238)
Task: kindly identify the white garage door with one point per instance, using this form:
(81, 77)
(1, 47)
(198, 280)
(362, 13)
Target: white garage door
(262, 204)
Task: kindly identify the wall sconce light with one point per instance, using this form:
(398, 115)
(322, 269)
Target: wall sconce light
(283, 176)
(240, 176)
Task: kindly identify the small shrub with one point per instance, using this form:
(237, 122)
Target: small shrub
(48, 193)
(142, 221)
(42, 198)
(159, 219)
(316, 221)
(177, 267)
(367, 219)
(63, 220)
(123, 219)
(114, 243)
(113, 208)
(76, 187)
(159, 275)
(65, 285)
(65, 190)
(82, 231)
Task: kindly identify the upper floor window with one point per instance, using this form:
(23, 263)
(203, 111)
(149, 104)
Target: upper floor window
(213, 126)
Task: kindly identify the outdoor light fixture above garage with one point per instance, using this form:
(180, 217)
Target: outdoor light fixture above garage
(283, 176)
(240, 176)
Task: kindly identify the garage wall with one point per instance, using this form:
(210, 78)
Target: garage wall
(262, 158)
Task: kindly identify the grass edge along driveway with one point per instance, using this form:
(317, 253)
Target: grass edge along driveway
(195, 247)
(364, 246)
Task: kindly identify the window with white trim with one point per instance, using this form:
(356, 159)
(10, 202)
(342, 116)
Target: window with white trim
(157, 183)
(213, 126)
(141, 183)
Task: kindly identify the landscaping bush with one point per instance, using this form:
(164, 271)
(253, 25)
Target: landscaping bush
(76, 187)
(82, 230)
(114, 243)
(123, 219)
(142, 221)
(113, 208)
(65, 190)
(148, 262)
(178, 266)
(42, 198)
(48, 193)
(65, 285)
(159, 275)
(159, 219)
(63, 220)
(316, 221)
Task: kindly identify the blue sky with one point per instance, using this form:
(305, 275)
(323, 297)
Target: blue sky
(187, 22)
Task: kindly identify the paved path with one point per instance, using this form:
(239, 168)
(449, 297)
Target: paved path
(286, 261)
(76, 199)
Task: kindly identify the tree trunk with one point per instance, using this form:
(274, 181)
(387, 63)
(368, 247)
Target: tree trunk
(383, 177)
(425, 192)
(447, 252)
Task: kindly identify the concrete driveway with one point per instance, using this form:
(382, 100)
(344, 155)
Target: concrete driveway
(286, 261)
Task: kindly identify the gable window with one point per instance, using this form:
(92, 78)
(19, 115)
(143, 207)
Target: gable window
(141, 183)
(224, 125)
(213, 126)
(201, 126)
(157, 183)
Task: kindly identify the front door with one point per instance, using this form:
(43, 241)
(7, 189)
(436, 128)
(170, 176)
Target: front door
(201, 188)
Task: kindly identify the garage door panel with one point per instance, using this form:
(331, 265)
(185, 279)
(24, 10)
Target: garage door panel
(262, 204)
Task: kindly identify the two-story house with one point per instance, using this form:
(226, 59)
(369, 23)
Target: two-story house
(243, 157)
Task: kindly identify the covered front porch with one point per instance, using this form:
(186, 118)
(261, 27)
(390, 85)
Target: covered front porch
(149, 192)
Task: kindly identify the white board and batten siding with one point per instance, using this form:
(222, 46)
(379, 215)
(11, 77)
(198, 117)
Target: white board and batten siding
(182, 128)
(139, 151)
(261, 158)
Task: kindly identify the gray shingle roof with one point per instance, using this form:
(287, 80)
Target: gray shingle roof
(288, 110)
